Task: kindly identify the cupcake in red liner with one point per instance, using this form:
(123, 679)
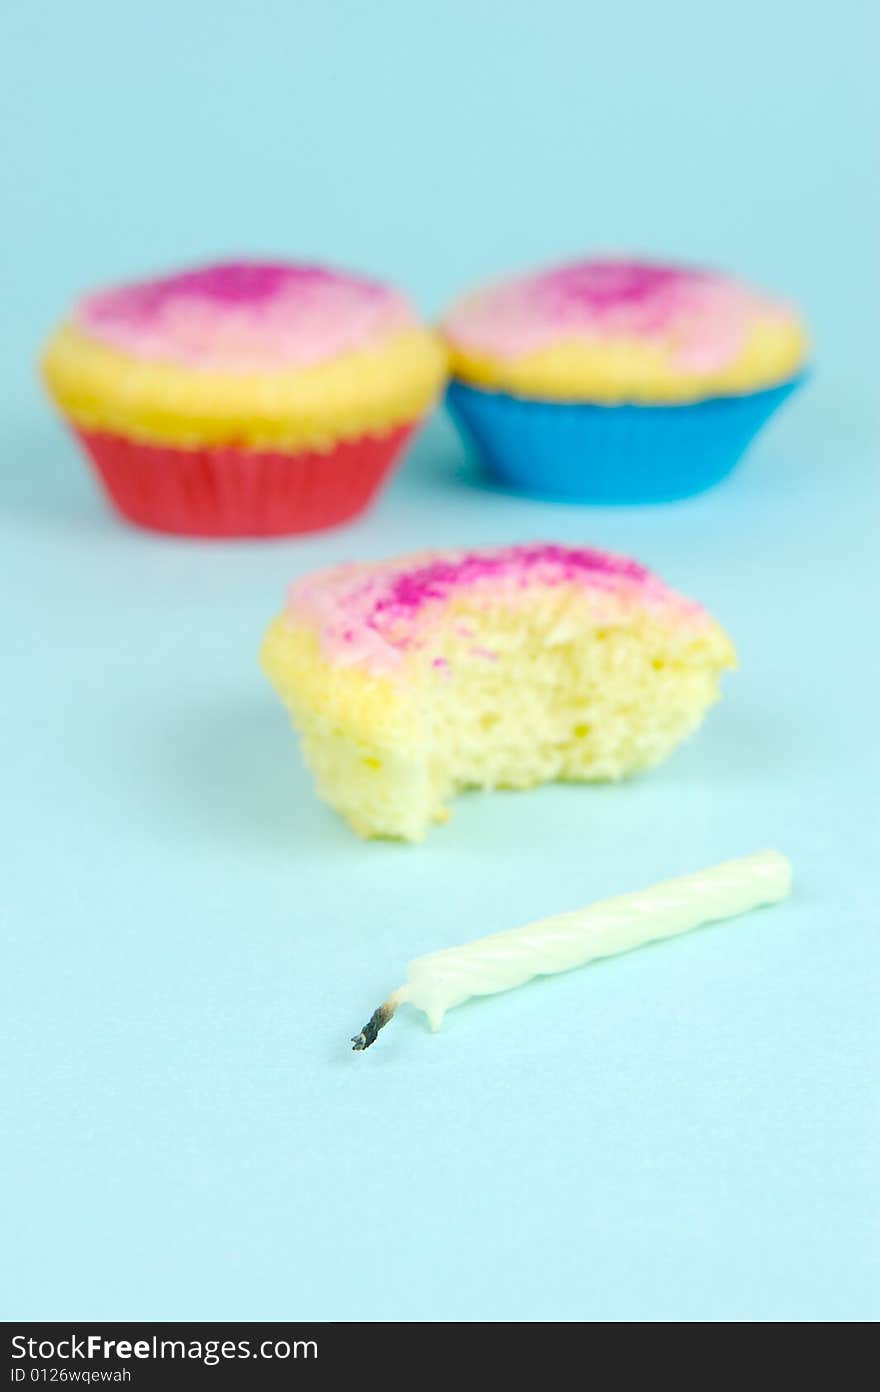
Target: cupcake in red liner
(244, 399)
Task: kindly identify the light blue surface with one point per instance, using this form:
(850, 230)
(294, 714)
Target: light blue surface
(189, 937)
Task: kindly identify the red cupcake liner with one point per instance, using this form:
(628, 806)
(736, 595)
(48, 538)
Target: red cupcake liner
(230, 491)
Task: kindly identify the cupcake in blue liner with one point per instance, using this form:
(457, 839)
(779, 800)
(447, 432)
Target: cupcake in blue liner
(612, 381)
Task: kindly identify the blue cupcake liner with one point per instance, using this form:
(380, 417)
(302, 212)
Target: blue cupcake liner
(585, 453)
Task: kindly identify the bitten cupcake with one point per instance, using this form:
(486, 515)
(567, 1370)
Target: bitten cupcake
(244, 399)
(414, 678)
(619, 381)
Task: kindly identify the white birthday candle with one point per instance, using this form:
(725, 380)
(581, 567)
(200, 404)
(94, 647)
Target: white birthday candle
(441, 980)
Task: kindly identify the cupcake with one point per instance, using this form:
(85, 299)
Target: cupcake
(414, 678)
(244, 399)
(612, 381)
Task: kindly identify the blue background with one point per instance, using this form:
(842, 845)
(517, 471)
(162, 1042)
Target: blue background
(189, 936)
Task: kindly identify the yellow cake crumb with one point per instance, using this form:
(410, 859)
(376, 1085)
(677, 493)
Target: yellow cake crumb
(564, 684)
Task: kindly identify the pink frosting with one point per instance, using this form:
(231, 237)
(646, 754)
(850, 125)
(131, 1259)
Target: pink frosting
(706, 314)
(371, 615)
(244, 316)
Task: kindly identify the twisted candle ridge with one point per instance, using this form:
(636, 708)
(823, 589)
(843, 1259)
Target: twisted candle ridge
(498, 963)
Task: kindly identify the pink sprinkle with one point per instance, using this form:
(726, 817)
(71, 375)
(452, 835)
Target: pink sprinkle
(705, 314)
(244, 315)
(551, 564)
(376, 613)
